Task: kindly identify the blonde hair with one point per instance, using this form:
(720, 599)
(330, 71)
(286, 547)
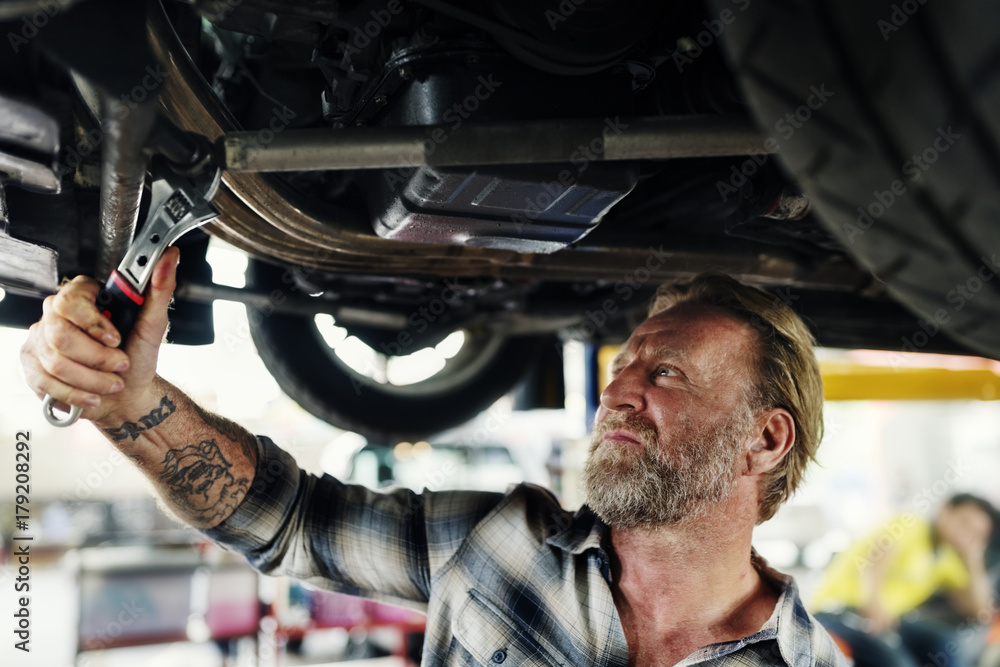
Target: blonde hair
(787, 373)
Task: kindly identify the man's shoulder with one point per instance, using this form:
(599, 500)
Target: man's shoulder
(535, 506)
(529, 515)
(534, 495)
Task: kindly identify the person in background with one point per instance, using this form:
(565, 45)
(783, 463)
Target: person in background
(869, 593)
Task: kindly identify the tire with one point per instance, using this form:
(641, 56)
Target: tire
(305, 366)
(890, 81)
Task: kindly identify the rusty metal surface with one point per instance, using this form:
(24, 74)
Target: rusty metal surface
(24, 126)
(27, 267)
(496, 143)
(123, 171)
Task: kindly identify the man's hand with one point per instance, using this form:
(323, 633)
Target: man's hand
(201, 464)
(71, 353)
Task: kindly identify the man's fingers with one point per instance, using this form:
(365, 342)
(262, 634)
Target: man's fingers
(71, 353)
(65, 395)
(67, 340)
(75, 302)
(75, 374)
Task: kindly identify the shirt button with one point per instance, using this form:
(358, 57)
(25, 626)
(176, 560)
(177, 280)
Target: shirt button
(499, 656)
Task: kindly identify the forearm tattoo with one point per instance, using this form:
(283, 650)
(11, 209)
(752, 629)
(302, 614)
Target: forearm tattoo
(236, 433)
(199, 481)
(154, 418)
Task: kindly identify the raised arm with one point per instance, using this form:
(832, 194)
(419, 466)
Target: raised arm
(245, 493)
(202, 465)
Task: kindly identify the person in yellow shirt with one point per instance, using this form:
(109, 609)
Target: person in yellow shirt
(869, 590)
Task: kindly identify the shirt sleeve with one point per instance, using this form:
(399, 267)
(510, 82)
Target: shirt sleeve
(384, 545)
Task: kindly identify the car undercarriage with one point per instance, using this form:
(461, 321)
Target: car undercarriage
(523, 173)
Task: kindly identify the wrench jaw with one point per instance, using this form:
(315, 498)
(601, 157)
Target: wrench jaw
(179, 204)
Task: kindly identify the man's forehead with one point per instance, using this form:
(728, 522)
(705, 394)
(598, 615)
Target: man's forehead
(686, 331)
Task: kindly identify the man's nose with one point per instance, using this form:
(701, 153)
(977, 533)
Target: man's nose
(624, 392)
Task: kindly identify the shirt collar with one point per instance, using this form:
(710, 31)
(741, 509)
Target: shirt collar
(584, 530)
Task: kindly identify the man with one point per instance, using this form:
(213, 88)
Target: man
(869, 591)
(712, 413)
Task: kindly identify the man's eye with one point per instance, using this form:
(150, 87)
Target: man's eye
(665, 372)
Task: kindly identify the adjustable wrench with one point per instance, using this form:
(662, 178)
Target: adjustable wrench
(178, 205)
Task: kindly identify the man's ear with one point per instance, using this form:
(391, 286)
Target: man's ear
(772, 441)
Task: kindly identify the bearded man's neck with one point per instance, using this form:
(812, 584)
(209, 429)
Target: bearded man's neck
(693, 568)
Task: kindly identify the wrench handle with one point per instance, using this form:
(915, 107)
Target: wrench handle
(120, 303)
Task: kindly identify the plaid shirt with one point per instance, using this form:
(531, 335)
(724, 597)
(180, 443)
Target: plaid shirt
(502, 577)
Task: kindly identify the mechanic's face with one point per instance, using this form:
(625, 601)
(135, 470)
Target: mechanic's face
(670, 433)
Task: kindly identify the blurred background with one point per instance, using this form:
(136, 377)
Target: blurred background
(116, 582)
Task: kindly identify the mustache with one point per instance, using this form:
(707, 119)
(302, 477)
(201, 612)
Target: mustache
(643, 428)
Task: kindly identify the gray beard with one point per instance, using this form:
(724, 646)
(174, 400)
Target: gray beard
(663, 483)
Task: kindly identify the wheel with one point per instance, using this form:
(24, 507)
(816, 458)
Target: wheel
(887, 114)
(338, 377)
